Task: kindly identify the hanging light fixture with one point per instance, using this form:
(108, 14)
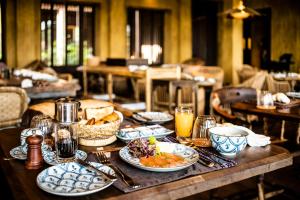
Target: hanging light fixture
(241, 12)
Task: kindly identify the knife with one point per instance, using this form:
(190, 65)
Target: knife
(91, 167)
(145, 118)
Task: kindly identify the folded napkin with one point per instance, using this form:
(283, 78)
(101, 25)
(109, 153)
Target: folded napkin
(253, 139)
(281, 97)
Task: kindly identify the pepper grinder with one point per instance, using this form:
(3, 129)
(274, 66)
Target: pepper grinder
(34, 152)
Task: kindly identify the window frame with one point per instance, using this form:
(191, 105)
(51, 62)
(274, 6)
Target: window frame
(162, 36)
(3, 27)
(81, 8)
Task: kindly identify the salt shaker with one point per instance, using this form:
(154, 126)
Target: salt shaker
(34, 152)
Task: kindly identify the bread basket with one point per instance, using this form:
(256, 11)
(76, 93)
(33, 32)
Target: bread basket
(99, 135)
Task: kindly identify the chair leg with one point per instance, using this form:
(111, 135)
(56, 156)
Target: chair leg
(298, 135)
(282, 130)
(266, 132)
(260, 187)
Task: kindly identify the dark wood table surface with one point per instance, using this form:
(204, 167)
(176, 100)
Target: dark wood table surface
(289, 114)
(253, 161)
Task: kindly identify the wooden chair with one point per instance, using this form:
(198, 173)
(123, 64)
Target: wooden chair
(187, 92)
(13, 103)
(222, 98)
(152, 74)
(277, 86)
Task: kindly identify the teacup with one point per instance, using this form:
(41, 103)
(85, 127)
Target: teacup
(25, 133)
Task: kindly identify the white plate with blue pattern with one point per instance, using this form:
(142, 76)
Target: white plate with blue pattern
(73, 179)
(158, 131)
(17, 152)
(51, 158)
(190, 155)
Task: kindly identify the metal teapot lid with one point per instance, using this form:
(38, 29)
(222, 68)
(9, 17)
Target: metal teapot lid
(66, 110)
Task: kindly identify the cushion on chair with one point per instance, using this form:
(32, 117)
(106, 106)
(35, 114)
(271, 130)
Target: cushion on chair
(13, 103)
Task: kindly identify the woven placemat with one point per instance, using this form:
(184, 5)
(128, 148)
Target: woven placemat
(149, 179)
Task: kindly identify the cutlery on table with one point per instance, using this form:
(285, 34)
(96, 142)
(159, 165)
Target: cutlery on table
(91, 167)
(202, 159)
(102, 158)
(108, 149)
(144, 117)
(9, 158)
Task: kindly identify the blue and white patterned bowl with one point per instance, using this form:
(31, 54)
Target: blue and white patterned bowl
(73, 179)
(228, 140)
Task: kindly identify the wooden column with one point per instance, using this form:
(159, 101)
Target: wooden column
(230, 40)
(117, 29)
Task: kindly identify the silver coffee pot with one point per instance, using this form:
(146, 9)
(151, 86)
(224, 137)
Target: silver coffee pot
(66, 110)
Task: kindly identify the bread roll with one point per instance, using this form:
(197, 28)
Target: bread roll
(91, 121)
(98, 113)
(111, 118)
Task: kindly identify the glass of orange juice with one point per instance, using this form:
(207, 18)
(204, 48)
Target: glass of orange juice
(184, 119)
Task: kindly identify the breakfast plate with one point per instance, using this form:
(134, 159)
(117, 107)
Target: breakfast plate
(154, 117)
(73, 179)
(51, 159)
(158, 131)
(189, 154)
(19, 154)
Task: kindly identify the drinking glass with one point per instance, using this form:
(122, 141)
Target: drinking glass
(45, 124)
(184, 119)
(201, 128)
(66, 141)
(265, 100)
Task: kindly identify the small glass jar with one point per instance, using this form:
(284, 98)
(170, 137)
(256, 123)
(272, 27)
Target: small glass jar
(45, 124)
(66, 141)
(265, 100)
(201, 128)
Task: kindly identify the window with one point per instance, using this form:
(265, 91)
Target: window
(2, 30)
(67, 33)
(145, 35)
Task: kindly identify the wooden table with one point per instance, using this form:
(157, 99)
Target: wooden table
(54, 90)
(253, 161)
(149, 75)
(288, 114)
(290, 79)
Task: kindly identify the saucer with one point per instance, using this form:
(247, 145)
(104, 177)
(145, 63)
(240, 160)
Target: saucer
(51, 159)
(17, 152)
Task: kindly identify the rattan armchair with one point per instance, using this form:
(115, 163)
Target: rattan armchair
(222, 98)
(13, 103)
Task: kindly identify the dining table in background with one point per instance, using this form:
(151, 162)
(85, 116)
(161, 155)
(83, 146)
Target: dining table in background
(51, 91)
(253, 161)
(149, 74)
(281, 113)
(292, 80)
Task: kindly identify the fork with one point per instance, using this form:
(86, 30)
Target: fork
(102, 158)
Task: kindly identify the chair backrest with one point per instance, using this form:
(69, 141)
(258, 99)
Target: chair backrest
(228, 95)
(246, 72)
(277, 86)
(13, 103)
(222, 98)
(257, 81)
(163, 72)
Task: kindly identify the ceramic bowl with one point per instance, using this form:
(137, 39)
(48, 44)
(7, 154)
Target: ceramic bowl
(228, 140)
